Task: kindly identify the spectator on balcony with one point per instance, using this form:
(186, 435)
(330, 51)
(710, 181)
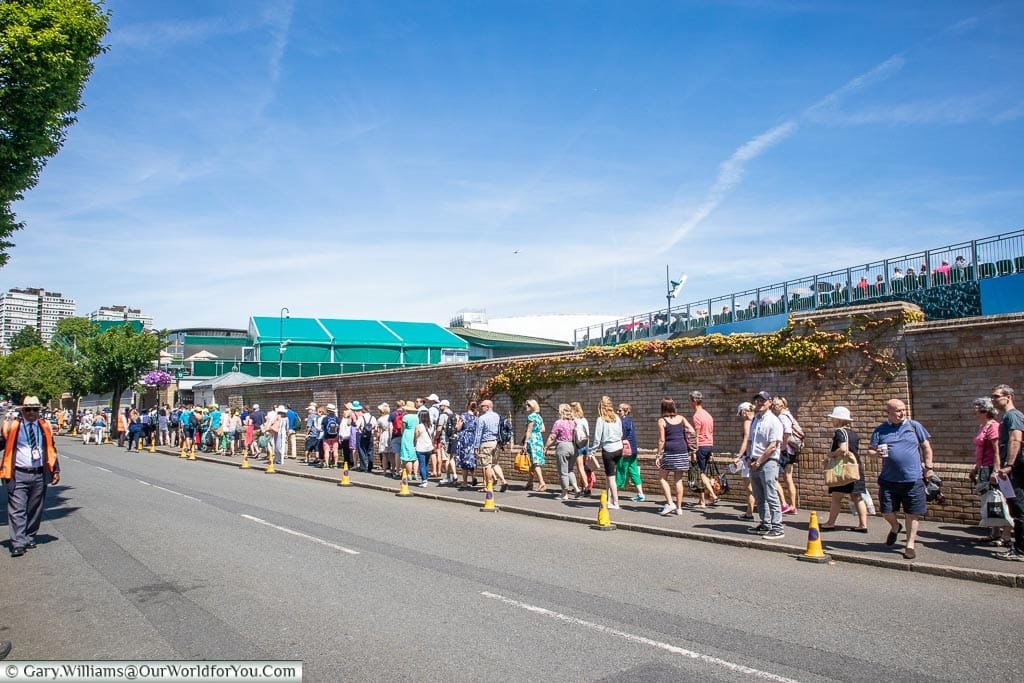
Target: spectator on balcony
(943, 268)
(880, 284)
(897, 274)
(959, 263)
(862, 286)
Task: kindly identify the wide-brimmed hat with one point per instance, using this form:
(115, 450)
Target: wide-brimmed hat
(281, 409)
(841, 413)
(743, 407)
(409, 407)
(31, 402)
(433, 397)
(331, 408)
(354, 405)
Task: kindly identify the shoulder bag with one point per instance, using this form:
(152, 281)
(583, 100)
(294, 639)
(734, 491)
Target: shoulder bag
(843, 467)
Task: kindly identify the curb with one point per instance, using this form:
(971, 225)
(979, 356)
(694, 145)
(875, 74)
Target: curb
(960, 573)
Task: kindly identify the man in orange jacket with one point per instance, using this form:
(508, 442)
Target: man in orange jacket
(29, 457)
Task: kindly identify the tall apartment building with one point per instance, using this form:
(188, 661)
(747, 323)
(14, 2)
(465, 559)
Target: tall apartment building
(120, 313)
(32, 307)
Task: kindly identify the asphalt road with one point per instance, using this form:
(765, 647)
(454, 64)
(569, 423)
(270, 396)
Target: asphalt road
(146, 556)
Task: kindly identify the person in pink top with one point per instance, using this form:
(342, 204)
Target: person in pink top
(986, 448)
(562, 436)
(704, 425)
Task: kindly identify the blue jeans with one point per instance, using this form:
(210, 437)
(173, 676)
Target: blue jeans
(424, 459)
(766, 496)
(365, 456)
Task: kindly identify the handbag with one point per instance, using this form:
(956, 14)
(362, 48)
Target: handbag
(522, 462)
(693, 480)
(843, 468)
(627, 448)
(719, 482)
(994, 510)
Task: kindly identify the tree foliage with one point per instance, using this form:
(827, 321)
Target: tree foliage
(25, 338)
(47, 48)
(34, 371)
(118, 357)
(71, 340)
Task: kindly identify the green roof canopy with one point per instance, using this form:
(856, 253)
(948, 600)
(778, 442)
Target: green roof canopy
(340, 333)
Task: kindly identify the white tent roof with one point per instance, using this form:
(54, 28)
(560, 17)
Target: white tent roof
(226, 380)
(200, 355)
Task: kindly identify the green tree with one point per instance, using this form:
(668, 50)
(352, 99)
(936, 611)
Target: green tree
(118, 357)
(47, 49)
(70, 340)
(34, 371)
(25, 338)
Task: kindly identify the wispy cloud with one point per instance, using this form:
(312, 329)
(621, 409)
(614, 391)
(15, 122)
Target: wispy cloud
(160, 34)
(828, 104)
(279, 18)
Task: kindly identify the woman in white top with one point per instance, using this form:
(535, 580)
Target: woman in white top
(607, 440)
(423, 438)
(582, 441)
(382, 433)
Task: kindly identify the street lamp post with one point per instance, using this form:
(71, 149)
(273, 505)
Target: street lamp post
(672, 290)
(280, 342)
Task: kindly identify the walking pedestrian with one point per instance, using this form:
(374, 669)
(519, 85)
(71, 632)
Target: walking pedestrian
(986, 450)
(581, 437)
(673, 455)
(607, 440)
(485, 444)
(901, 442)
(134, 429)
(533, 445)
(763, 460)
(1011, 464)
(628, 469)
(846, 440)
(562, 436)
(745, 411)
(704, 426)
(29, 459)
(789, 455)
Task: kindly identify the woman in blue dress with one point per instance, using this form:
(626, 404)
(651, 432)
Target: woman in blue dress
(533, 445)
(465, 454)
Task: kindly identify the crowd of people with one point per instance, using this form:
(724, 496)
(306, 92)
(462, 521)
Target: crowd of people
(425, 440)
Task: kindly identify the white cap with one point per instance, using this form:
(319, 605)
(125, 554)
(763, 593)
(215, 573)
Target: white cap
(433, 397)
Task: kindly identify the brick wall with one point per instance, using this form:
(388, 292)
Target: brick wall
(949, 363)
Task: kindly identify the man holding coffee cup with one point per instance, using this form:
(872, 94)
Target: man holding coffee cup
(902, 443)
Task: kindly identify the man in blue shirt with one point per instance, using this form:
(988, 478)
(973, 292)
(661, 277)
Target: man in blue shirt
(485, 443)
(901, 443)
(1011, 464)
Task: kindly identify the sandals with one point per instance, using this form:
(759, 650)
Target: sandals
(542, 488)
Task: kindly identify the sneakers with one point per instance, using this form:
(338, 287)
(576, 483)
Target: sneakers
(1012, 555)
(747, 516)
(773, 535)
(424, 484)
(613, 506)
(679, 511)
(760, 530)
(668, 509)
(789, 510)
(444, 482)
(639, 498)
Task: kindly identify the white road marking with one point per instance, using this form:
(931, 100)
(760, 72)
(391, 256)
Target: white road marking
(102, 468)
(144, 483)
(708, 659)
(177, 493)
(293, 532)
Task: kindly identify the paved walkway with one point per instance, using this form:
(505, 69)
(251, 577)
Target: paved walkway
(943, 549)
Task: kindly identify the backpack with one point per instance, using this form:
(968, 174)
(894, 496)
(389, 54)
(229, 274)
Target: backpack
(175, 417)
(331, 426)
(396, 423)
(449, 427)
(366, 433)
(796, 438)
(505, 432)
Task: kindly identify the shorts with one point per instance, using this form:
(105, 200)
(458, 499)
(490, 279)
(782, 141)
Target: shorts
(704, 458)
(786, 459)
(488, 454)
(442, 450)
(396, 445)
(610, 460)
(909, 495)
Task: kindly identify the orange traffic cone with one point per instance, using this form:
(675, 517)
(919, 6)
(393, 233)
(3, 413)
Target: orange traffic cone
(345, 481)
(814, 552)
(403, 490)
(604, 519)
(245, 461)
(489, 498)
(184, 450)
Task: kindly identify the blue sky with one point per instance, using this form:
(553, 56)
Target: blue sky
(357, 159)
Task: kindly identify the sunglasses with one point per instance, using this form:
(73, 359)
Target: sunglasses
(997, 396)
(30, 410)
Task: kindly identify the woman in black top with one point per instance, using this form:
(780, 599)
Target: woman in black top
(845, 439)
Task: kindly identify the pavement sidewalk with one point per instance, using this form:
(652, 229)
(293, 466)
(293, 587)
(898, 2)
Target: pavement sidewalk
(943, 549)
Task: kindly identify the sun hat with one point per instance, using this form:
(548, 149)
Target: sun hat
(841, 413)
(255, 406)
(433, 397)
(31, 402)
(409, 407)
(743, 407)
(355, 405)
(445, 403)
(310, 409)
(331, 408)
(281, 409)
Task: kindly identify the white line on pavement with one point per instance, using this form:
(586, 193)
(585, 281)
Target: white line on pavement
(102, 468)
(738, 668)
(144, 483)
(293, 532)
(177, 493)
